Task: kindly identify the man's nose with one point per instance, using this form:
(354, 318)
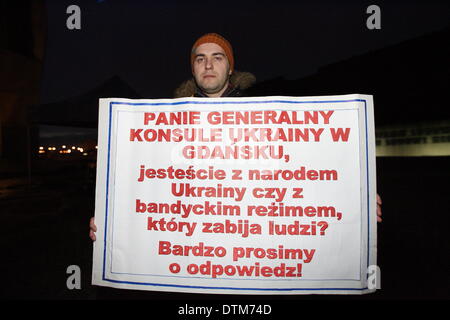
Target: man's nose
(208, 64)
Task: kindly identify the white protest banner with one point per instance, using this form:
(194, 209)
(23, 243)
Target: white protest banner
(265, 195)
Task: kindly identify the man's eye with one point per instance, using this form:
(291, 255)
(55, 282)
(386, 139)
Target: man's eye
(218, 58)
(199, 60)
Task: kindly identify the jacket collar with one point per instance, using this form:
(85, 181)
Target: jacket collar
(239, 81)
(231, 91)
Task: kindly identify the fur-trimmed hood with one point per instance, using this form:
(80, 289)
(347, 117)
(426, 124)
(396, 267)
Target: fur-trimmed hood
(240, 80)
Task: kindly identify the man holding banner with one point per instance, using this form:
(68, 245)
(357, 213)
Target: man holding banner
(212, 63)
(272, 198)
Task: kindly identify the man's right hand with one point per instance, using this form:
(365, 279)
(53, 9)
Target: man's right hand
(92, 229)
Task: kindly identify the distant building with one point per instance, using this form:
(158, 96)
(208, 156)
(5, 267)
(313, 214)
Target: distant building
(22, 43)
(409, 82)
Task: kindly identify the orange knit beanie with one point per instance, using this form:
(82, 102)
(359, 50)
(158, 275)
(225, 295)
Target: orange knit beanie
(219, 40)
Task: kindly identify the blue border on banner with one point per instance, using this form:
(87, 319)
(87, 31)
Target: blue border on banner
(229, 102)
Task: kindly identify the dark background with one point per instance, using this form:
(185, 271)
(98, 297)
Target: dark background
(52, 77)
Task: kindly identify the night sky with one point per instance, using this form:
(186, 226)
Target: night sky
(147, 43)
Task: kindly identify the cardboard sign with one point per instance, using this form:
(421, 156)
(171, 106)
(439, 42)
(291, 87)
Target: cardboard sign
(266, 195)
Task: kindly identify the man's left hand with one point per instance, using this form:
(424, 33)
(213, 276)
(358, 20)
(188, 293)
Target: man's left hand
(379, 202)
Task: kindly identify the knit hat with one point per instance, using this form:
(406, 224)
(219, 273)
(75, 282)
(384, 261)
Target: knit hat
(219, 40)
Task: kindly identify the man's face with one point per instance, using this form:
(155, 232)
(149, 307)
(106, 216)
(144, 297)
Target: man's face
(211, 69)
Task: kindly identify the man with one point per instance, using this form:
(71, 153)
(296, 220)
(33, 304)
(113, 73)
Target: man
(212, 64)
